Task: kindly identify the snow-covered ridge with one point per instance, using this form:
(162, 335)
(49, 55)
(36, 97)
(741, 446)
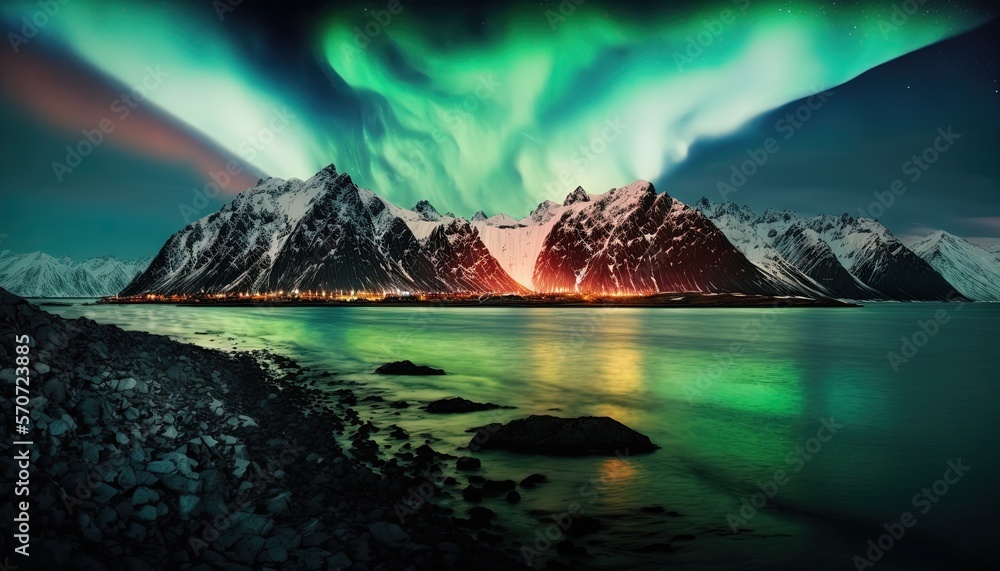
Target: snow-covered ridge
(326, 233)
(838, 256)
(40, 275)
(973, 271)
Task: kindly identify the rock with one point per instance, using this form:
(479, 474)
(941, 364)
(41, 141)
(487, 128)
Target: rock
(407, 368)
(143, 495)
(55, 391)
(543, 434)
(684, 537)
(135, 532)
(187, 504)
(274, 555)
(467, 464)
(583, 525)
(399, 404)
(386, 532)
(248, 548)
(472, 494)
(567, 548)
(58, 427)
(161, 467)
(146, 513)
(495, 487)
(455, 405)
(481, 514)
(513, 497)
(122, 385)
(533, 480)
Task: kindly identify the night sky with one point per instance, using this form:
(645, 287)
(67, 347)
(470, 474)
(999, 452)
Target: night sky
(491, 106)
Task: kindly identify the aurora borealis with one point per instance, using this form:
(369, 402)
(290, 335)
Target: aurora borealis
(495, 107)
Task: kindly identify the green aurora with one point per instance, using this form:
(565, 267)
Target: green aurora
(534, 104)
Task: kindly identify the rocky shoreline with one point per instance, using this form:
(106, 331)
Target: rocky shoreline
(154, 454)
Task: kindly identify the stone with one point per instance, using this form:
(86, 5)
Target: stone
(544, 434)
(146, 513)
(161, 467)
(467, 464)
(249, 547)
(186, 504)
(387, 532)
(456, 405)
(533, 480)
(143, 495)
(58, 427)
(407, 368)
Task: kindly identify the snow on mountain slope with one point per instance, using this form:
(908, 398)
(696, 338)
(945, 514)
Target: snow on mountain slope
(324, 233)
(845, 257)
(39, 275)
(973, 271)
(633, 240)
(736, 222)
(516, 243)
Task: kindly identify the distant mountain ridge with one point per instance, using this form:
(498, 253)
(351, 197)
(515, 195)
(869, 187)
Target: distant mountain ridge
(327, 234)
(841, 256)
(973, 271)
(37, 274)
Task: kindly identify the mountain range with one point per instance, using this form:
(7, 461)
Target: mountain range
(973, 271)
(40, 275)
(327, 234)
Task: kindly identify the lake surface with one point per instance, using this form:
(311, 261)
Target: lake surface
(731, 395)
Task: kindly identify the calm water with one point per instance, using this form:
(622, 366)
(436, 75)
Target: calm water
(729, 394)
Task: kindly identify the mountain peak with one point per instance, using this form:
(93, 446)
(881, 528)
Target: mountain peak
(479, 216)
(427, 211)
(578, 195)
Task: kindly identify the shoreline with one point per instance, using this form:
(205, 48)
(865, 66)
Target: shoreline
(179, 456)
(660, 301)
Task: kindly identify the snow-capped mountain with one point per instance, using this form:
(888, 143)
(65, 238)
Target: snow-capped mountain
(324, 233)
(842, 256)
(973, 271)
(633, 240)
(40, 275)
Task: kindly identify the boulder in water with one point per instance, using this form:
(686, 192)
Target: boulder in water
(543, 434)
